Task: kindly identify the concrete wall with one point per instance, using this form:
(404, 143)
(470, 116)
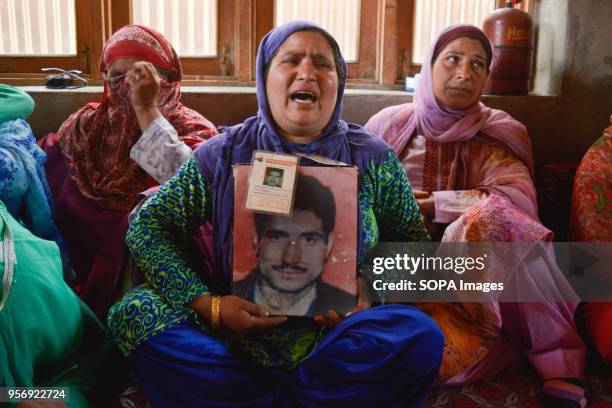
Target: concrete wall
(586, 94)
(551, 44)
(575, 36)
(574, 61)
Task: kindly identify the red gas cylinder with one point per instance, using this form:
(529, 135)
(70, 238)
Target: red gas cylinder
(511, 32)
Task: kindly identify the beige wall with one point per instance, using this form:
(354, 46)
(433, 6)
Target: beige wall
(562, 127)
(586, 102)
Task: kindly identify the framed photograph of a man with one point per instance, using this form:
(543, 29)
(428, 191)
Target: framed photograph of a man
(273, 177)
(305, 264)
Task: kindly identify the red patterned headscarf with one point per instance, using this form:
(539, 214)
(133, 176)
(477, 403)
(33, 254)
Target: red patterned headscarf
(97, 139)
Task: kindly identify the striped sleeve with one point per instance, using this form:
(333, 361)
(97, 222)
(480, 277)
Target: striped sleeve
(158, 234)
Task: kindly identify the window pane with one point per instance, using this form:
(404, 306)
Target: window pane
(37, 27)
(190, 25)
(432, 16)
(340, 17)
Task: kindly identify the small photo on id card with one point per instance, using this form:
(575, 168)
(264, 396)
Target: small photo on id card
(272, 183)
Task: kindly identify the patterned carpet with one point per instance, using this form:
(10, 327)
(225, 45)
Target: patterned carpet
(517, 388)
(512, 388)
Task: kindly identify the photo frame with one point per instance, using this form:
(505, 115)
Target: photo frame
(306, 263)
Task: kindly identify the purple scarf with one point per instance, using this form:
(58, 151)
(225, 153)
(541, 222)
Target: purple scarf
(339, 141)
(397, 124)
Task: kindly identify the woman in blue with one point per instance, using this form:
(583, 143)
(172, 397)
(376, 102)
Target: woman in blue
(191, 344)
(23, 183)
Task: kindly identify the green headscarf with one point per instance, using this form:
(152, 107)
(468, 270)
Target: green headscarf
(14, 103)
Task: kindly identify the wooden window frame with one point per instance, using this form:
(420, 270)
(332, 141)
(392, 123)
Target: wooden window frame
(96, 20)
(382, 23)
(385, 47)
(404, 33)
(367, 70)
(91, 34)
(233, 43)
(525, 5)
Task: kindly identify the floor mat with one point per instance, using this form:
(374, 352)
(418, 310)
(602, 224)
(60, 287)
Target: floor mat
(517, 388)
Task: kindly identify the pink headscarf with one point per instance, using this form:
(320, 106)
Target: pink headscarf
(397, 124)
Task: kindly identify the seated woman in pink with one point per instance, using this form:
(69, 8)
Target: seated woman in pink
(471, 170)
(108, 152)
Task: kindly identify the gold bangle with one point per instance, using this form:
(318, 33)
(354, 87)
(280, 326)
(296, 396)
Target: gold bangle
(215, 312)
